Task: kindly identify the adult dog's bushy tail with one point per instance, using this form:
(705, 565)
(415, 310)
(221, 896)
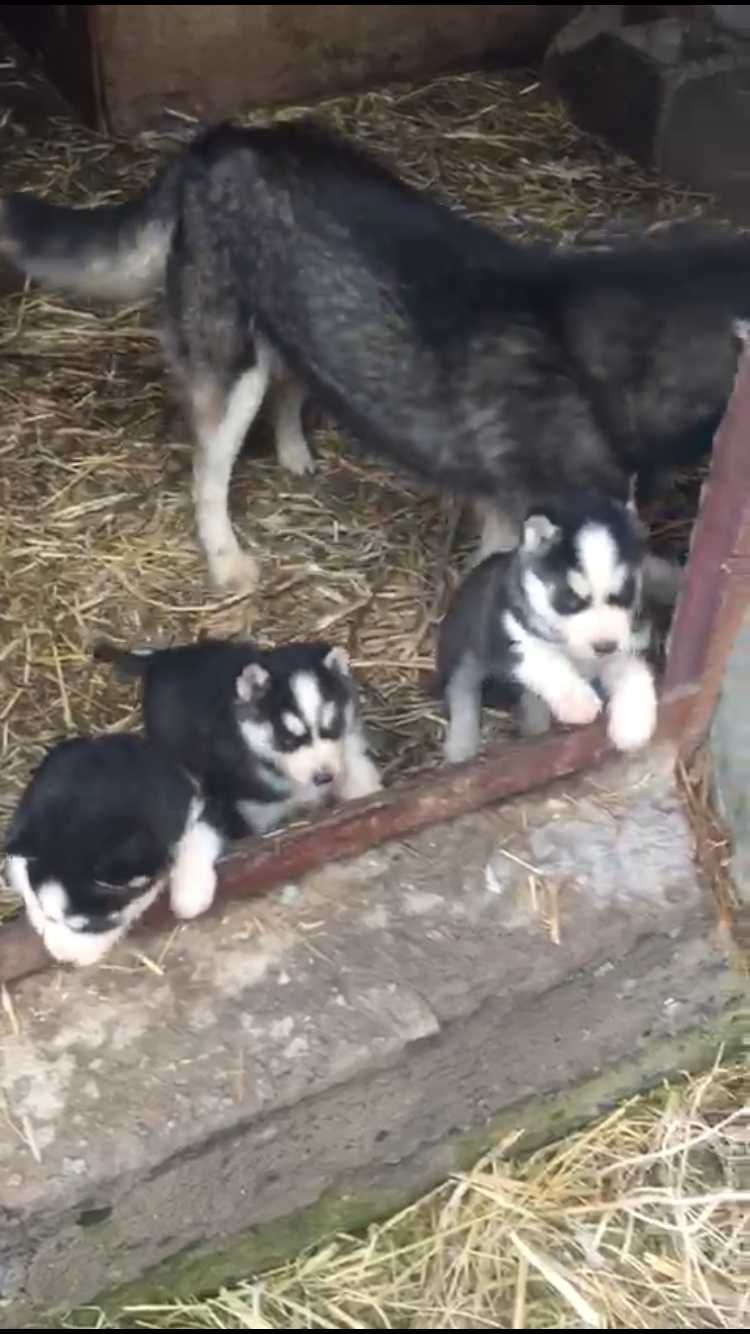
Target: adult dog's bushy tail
(117, 252)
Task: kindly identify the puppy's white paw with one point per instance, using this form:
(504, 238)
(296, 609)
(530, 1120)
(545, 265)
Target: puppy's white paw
(192, 891)
(234, 571)
(633, 708)
(532, 715)
(192, 883)
(577, 706)
(294, 455)
(81, 948)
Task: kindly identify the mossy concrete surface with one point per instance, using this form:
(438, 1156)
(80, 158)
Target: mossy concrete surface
(540, 1120)
(312, 1063)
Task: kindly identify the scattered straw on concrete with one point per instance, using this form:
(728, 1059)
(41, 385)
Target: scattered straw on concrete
(713, 856)
(97, 533)
(641, 1221)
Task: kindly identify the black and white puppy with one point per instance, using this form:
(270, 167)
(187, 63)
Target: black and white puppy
(104, 824)
(539, 628)
(267, 735)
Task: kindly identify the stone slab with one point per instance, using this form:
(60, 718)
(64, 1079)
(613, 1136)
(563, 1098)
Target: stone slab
(670, 92)
(348, 1038)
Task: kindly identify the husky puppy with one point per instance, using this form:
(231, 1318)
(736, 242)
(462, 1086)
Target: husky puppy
(103, 825)
(489, 369)
(267, 735)
(551, 627)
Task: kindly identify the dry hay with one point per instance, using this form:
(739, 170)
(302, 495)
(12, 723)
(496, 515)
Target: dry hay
(97, 533)
(713, 855)
(638, 1222)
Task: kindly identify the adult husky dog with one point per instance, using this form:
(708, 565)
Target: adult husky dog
(498, 372)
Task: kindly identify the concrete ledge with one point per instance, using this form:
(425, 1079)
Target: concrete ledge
(312, 1062)
(365, 1196)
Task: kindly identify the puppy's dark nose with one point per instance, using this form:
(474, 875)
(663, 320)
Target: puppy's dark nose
(322, 777)
(603, 647)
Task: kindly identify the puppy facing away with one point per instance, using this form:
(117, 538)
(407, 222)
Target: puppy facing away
(538, 629)
(267, 735)
(488, 369)
(104, 824)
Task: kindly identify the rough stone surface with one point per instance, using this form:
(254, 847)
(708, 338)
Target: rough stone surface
(730, 746)
(347, 1037)
(672, 92)
(734, 18)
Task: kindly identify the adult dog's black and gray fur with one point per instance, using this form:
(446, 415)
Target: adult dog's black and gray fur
(492, 370)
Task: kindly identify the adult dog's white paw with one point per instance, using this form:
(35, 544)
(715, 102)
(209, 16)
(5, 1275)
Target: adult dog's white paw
(294, 455)
(234, 572)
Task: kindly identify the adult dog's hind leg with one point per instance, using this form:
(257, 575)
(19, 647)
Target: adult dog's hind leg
(221, 419)
(292, 450)
(662, 580)
(223, 369)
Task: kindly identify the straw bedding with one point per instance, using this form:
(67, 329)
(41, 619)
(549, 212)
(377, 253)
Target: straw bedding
(97, 533)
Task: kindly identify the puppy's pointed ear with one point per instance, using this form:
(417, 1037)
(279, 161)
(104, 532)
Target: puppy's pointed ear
(252, 683)
(337, 660)
(539, 533)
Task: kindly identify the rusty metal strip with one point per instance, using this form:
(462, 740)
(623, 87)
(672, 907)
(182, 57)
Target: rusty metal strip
(715, 596)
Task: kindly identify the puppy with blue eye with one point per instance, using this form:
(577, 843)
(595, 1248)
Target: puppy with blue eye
(267, 735)
(551, 629)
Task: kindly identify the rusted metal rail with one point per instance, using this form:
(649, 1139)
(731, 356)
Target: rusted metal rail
(713, 601)
(716, 594)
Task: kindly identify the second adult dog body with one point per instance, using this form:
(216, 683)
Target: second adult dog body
(538, 628)
(267, 735)
(492, 370)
